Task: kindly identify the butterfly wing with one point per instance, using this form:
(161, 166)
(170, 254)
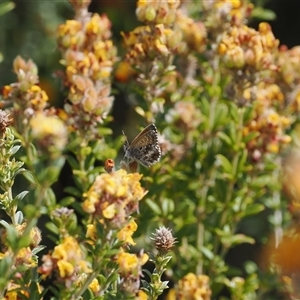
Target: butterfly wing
(145, 137)
(150, 156)
(144, 148)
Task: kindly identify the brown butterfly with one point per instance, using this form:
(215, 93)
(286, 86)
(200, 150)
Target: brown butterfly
(144, 148)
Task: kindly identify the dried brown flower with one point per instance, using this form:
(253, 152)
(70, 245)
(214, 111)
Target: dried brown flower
(163, 239)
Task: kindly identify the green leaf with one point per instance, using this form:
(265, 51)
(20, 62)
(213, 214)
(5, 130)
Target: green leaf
(73, 191)
(233, 133)
(50, 174)
(24, 241)
(96, 171)
(234, 112)
(50, 198)
(263, 14)
(167, 206)
(14, 150)
(236, 239)
(19, 217)
(261, 181)
(154, 207)
(252, 135)
(11, 235)
(5, 7)
(220, 115)
(90, 160)
(140, 111)
(242, 161)
(104, 131)
(225, 163)
(67, 201)
(20, 196)
(225, 138)
(205, 105)
(38, 249)
(6, 263)
(73, 162)
(30, 177)
(54, 229)
(207, 252)
(254, 209)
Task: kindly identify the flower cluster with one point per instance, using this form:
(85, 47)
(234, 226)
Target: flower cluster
(13, 291)
(114, 197)
(256, 57)
(288, 79)
(193, 32)
(157, 12)
(267, 121)
(220, 15)
(130, 269)
(49, 131)
(67, 261)
(291, 179)
(289, 62)
(244, 47)
(167, 13)
(146, 43)
(26, 95)
(25, 258)
(185, 115)
(191, 286)
(5, 121)
(125, 234)
(89, 56)
(151, 49)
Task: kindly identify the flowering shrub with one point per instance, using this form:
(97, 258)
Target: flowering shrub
(225, 101)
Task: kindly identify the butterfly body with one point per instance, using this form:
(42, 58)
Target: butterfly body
(144, 148)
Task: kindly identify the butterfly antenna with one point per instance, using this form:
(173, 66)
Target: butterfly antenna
(125, 144)
(126, 140)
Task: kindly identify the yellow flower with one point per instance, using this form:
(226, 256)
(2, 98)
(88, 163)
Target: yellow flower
(95, 286)
(127, 262)
(192, 286)
(114, 196)
(35, 234)
(12, 292)
(49, 131)
(70, 258)
(70, 34)
(24, 258)
(91, 232)
(273, 147)
(109, 212)
(125, 234)
(65, 268)
(130, 263)
(89, 204)
(157, 12)
(124, 71)
(171, 295)
(89, 53)
(141, 296)
(241, 46)
(98, 25)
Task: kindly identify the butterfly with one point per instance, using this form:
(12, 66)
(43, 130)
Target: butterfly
(144, 148)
